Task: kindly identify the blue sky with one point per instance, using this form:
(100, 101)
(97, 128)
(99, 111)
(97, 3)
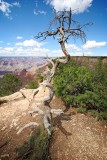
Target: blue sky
(21, 20)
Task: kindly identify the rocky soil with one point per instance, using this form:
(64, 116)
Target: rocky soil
(75, 136)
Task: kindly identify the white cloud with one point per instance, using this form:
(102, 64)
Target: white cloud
(36, 12)
(17, 4)
(34, 48)
(19, 37)
(8, 49)
(8, 43)
(29, 43)
(35, 51)
(78, 6)
(72, 47)
(93, 44)
(82, 54)
(5, 7)
(29, 48)
(42, 12)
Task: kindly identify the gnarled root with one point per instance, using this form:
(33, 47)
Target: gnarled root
(26, 126)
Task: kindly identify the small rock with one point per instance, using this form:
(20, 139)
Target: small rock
(3, 128)
(87, 127)
(5, 156)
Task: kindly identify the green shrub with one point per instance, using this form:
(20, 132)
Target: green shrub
(32, 84)
(79, 86)
(73, 84)
(100, 85)
(93, 113)
(98, 115)
(39, 77)
(9, 84)
(37, 148)
(81, 110)
(102, 116)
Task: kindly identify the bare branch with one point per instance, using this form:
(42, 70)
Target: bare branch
(44, 35)
(64, 29)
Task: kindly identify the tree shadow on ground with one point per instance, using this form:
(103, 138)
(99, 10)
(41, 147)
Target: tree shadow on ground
(57, 122)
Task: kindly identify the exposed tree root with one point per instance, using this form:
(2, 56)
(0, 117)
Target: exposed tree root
(26, 126)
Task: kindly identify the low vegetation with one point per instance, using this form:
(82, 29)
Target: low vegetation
(83, 87)
(37, 148)
(9, 84)
(39, 77)
(32, 84)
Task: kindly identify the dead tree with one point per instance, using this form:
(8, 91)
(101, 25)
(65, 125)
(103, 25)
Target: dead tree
(66, 28)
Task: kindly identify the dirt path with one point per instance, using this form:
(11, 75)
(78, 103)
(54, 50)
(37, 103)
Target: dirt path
(75, 136)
